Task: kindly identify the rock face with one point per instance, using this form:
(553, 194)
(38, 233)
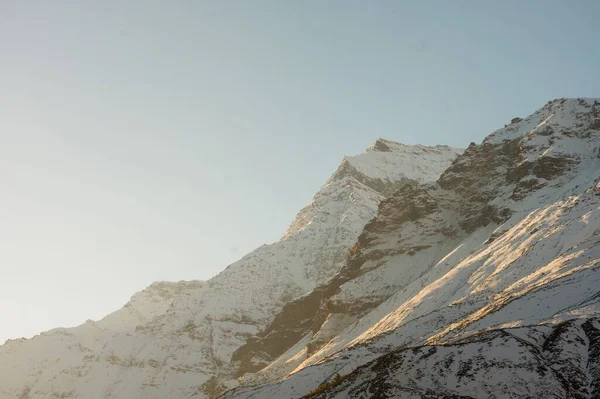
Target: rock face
(484, 283)
(534, 362)
(177, 340)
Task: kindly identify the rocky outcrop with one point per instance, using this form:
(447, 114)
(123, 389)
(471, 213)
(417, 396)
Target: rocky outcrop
(477, 177)
(492, 364)
(307, 314)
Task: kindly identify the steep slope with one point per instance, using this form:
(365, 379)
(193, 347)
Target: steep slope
(547, 361)
(507, 237)
(177, 339)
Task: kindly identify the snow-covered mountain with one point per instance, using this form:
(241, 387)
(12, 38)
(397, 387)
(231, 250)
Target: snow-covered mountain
(177, 340)
(415, 272)
(484, 284)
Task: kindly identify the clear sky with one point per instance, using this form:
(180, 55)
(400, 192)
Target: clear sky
(148, 140)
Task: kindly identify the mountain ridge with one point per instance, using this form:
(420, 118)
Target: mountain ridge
(511, 222)
(414, 271)
(176, 339)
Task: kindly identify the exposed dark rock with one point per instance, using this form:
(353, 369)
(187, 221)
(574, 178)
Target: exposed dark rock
(411, 202)
(551, 167)
(494, 236)
(557, 369)
(212, 388)
(477, 176)
(381, 146)
(296, 319)
(525, 187)
(545, 131)
(593, 335)
(384, 187)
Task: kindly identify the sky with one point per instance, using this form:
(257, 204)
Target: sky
(145, 140)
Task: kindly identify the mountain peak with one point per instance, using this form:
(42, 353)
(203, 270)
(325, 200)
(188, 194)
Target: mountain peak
(575, 115)
(391, 161)
(372, 174)
(383, 145)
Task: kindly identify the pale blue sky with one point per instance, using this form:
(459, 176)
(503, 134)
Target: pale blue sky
(147, 140)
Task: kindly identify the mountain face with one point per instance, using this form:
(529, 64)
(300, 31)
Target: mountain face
(415, 272)
(177, 340)
(483, 284)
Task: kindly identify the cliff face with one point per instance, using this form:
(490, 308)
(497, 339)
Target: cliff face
(505, 239)
(177, 339)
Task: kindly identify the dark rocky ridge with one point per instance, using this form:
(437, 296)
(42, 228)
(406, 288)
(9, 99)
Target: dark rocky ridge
(306, 314)
(412, 202)
(504, 363)
(384, 187)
